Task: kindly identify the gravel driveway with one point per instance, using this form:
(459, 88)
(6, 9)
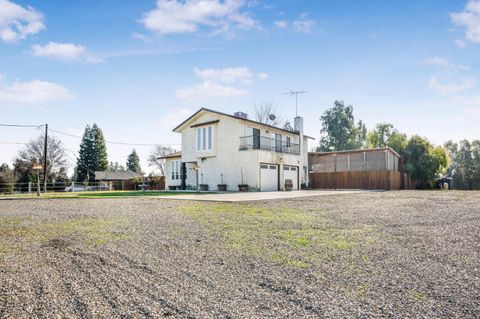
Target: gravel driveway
(366, 255)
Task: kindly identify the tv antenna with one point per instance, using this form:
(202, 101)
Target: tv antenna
(296, 93)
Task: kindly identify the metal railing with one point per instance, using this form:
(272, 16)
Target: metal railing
(255, 142)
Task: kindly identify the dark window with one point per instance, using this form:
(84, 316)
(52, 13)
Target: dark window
(256, 139)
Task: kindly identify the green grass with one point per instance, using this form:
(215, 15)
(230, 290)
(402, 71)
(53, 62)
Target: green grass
(287, 236)
(102, 194)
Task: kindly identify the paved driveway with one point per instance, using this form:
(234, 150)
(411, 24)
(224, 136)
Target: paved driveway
(252, 196)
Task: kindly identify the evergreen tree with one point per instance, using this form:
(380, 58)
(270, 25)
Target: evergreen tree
(92, 154)
(133, 162)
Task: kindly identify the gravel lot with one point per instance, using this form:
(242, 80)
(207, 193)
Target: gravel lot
(392, 254)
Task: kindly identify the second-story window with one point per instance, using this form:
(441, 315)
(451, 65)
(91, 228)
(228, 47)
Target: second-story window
(204, 138)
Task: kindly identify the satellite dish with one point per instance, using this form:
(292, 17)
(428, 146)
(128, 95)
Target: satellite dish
(272, 117)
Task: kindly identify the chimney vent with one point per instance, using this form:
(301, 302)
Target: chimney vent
(241, 115)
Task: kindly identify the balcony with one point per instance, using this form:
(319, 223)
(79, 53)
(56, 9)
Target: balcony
(268, 144)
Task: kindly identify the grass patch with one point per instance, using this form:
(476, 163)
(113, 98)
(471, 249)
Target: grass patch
(287, 236)
(16, 232)
(108, 194)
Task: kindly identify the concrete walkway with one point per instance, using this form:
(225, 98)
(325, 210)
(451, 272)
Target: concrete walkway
(254, 196)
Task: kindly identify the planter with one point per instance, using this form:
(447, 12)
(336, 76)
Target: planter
(203, 187)
(222, 187)
(243, 188)
(172, 188)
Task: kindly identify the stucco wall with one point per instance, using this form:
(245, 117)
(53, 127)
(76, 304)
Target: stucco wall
(226, 158)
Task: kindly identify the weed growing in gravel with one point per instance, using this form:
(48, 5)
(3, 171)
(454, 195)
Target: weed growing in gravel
(15, 231)
(284, 235)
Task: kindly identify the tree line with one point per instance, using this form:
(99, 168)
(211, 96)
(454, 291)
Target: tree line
(92, 157)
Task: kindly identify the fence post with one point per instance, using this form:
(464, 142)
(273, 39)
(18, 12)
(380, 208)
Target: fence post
(73, 186)
(29, 187)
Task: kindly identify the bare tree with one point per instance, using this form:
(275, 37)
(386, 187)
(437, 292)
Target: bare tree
(56, 156)
(154, 157)
(264, 112)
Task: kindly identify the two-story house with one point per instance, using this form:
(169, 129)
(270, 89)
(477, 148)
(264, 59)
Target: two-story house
(220, 148)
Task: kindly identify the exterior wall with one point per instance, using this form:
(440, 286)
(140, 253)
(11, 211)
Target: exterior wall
(225, 159)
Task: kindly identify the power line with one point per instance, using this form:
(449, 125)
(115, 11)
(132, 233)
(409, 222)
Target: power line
(20, 125)
(113, 142)
(13, 143)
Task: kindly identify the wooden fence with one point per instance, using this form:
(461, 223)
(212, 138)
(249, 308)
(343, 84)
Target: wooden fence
(361, 180)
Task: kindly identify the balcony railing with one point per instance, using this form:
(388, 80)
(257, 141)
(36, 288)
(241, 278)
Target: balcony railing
(268, 144)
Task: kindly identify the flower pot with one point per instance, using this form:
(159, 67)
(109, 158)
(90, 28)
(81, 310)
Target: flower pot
(243, 188)
(222, 187)
(203, 187)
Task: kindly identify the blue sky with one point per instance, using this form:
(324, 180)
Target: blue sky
(137, 68)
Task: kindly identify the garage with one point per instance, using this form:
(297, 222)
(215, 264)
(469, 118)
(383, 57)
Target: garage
(291, 172)
(268, 177)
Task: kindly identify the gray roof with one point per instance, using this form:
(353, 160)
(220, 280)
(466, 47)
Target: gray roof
(115, 176)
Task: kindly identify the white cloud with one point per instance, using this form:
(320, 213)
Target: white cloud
(281, 24)
(208, 89)
(141, 37)
(214, 83)
(470, 19)
(303, 24)
(34, 92)
(442, 62)
(450, 88)
(227, 75)
(186, 16)
(17, 22)
(66, 52)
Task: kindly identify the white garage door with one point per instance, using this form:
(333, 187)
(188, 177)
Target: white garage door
(268, 177)
(291, 172)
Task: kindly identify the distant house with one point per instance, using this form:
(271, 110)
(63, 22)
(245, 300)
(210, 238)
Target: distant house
(231, 149)
(117, 180)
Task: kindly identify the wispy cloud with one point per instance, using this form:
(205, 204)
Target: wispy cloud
(442, 62)
(33, 92)
(65, 52)
(470, 20)
(175, 16)
(303, 24)
(448, 88)
(17, 22)
(281, 24)
(218, 83)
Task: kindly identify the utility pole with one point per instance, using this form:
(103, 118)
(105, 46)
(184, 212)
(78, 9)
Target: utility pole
(296, 93)
(45, 177)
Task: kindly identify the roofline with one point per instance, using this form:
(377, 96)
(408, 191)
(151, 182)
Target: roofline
(357, 151)
(173, 155)
(238, 118)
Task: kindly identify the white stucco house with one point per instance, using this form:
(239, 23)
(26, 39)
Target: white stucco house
(231, 149)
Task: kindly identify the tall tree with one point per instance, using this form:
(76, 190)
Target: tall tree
(465, 163)
(33, 153)
(133, 162)
(92, 155)
(115, 167)
(264, 112)
(154, 157)
(339, 131)
(424, 162)
(385, 135)
(6, 179)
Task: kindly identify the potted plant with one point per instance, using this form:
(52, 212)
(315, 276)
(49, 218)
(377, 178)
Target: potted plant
(222, 187)
(202, 186)
(242, 187)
